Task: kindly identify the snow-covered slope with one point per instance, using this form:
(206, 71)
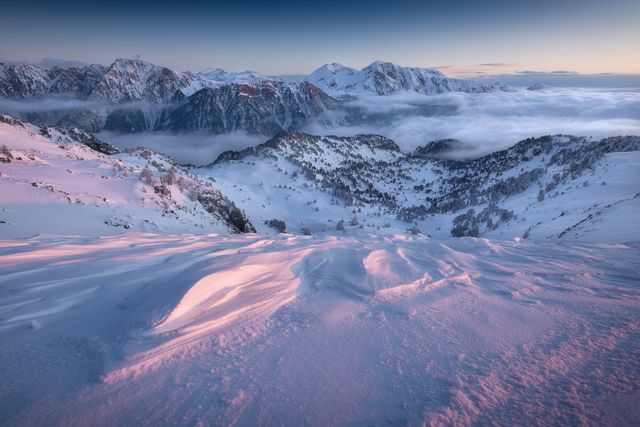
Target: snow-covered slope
(548, 187)
(54, 181)
(142, 329)
(354, 321)
(383, 78)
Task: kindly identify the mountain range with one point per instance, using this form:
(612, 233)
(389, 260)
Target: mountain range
(132, 95)
(544, 188)
(384, 78)
(551, 187)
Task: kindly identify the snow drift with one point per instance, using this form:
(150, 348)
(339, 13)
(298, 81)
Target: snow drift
(142, 328)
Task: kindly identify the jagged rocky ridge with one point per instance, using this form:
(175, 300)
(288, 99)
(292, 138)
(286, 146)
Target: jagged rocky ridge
(132, 95)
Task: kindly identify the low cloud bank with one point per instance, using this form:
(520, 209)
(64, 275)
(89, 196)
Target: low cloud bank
(563, 79)
(491, 121)
(484, 122)
(197, 149)
(44, 105)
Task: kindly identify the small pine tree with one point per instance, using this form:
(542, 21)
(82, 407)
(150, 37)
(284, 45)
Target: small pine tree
(146, 175)
(5, 154)
(182, 183)
(171, 176)
(278, 224)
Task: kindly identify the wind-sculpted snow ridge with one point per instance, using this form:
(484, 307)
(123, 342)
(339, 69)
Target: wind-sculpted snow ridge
(56, 180)
(354, 329)
(548, 187)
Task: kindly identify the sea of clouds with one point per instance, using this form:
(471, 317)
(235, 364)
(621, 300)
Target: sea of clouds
(196, 149)
(484, 122)
(489, 121)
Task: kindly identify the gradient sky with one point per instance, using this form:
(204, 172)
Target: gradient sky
(466, 37)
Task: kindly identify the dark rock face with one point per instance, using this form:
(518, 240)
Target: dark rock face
(264, 108)
(126, 121)
(91, 120)
(440, 149)
(277, 224)
(216, 204)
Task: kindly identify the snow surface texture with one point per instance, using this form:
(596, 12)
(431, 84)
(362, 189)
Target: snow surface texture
(248, 330)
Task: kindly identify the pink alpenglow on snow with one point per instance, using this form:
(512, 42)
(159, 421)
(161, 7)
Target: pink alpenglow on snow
(245, 330)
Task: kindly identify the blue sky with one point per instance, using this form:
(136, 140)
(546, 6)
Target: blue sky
(466, 38)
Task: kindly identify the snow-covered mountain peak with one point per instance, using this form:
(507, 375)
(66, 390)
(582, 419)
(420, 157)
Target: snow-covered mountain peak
(216, 77)
(334, 78)
(22, 81)
(334, 67)
(131, 62)
(383, 78)
(391, 69)
(130, 79)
